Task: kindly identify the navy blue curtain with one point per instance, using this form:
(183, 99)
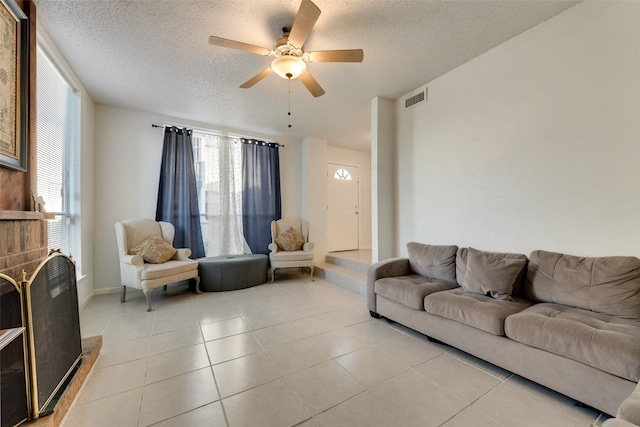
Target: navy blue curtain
(261, 200)
(177, 194)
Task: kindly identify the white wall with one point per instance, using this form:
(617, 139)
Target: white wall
(127, 169)
(383, 179)
(363, 161)
(314, 193)
(532, 145)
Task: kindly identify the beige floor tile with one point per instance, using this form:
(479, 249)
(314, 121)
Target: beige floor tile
(274, 336)
(361, 411)
(174, 340)
(471, 417)
(324, 386)
(110, 380)
(175, 319)
(274, 404)
(211, 315)
(373, 331)
(326, 322)
(268, 316)
(210, 415)
(549, 394)
(176, 296)
(462, 380)
(128, 328)
(123, 351)
(409, 350)
(232, 347)
(246, 372)
(371, 366)
(176, 362)
(223, 328)
(511, 405)
(417, 401)
(298, 355)
(118, 410)
(339, 342)
(487, 367)
(177, 395)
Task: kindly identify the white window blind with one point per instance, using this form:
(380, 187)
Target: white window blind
(58, 166)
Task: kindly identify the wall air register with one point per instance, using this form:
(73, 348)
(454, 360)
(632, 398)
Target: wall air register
(416, 99)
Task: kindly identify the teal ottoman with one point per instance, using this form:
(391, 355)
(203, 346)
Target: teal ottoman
(231, 272)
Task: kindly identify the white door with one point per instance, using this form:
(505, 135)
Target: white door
(343, 207)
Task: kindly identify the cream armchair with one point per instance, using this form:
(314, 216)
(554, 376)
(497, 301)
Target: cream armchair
(136, 273)
(279, 258)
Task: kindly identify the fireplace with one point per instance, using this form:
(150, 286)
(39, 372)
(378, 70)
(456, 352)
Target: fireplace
(47, 306)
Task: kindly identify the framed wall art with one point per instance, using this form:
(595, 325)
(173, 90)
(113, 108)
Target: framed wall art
(14, 65)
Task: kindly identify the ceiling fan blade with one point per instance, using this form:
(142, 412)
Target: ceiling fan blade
(255, 79)
(232, 44)
(305, 19)
(311, 84)
(348, 55)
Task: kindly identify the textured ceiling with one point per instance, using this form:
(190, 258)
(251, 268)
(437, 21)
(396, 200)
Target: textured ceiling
(153, 56)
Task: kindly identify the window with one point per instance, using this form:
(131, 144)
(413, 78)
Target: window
(57, 154)
(218, 169)
(342, 174)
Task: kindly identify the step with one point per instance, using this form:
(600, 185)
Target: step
(353, 280)
(350, 264)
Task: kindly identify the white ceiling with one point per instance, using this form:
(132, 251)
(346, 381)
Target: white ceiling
(153, 56)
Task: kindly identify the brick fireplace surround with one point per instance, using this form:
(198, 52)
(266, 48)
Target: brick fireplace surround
(23, 242)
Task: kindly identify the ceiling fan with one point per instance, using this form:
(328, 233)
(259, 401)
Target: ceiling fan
(290, 58)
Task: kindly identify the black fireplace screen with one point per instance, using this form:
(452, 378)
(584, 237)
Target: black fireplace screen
(54, 325)
(14, 406)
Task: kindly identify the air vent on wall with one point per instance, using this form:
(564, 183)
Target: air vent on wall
(415, 99)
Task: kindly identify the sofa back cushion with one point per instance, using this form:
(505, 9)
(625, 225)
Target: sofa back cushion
(608, 285)
(462, 257)
(437, 262)
(491, 274)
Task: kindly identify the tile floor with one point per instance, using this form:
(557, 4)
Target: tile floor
(292, 353)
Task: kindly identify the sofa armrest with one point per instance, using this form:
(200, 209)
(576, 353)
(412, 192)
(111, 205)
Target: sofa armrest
(273, 247)
(308, 247)
(182, 254)
(629, 409)
(132, 260)
(390, 267)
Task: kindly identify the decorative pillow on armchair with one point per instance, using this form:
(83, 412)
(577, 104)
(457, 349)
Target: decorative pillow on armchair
(489, 273)
(290, 240)
(154, 249)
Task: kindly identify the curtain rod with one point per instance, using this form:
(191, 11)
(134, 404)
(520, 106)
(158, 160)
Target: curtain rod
(215, 133)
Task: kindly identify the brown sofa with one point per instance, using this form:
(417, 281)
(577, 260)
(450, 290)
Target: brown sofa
(569, 323)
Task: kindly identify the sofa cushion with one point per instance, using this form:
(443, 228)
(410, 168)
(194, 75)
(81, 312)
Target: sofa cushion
(609, 285)
(292, 256)
(479, 311)
(605, 342)
(156, 271)
(410, 290)
(461, 267)
(437, 262)
(491, 274)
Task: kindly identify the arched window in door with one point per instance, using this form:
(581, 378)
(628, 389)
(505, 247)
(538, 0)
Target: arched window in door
(342, 174)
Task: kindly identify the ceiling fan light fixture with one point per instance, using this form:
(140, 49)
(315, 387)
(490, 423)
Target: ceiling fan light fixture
(288, 66)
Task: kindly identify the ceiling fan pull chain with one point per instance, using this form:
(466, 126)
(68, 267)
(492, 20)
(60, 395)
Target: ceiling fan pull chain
(289, 112)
